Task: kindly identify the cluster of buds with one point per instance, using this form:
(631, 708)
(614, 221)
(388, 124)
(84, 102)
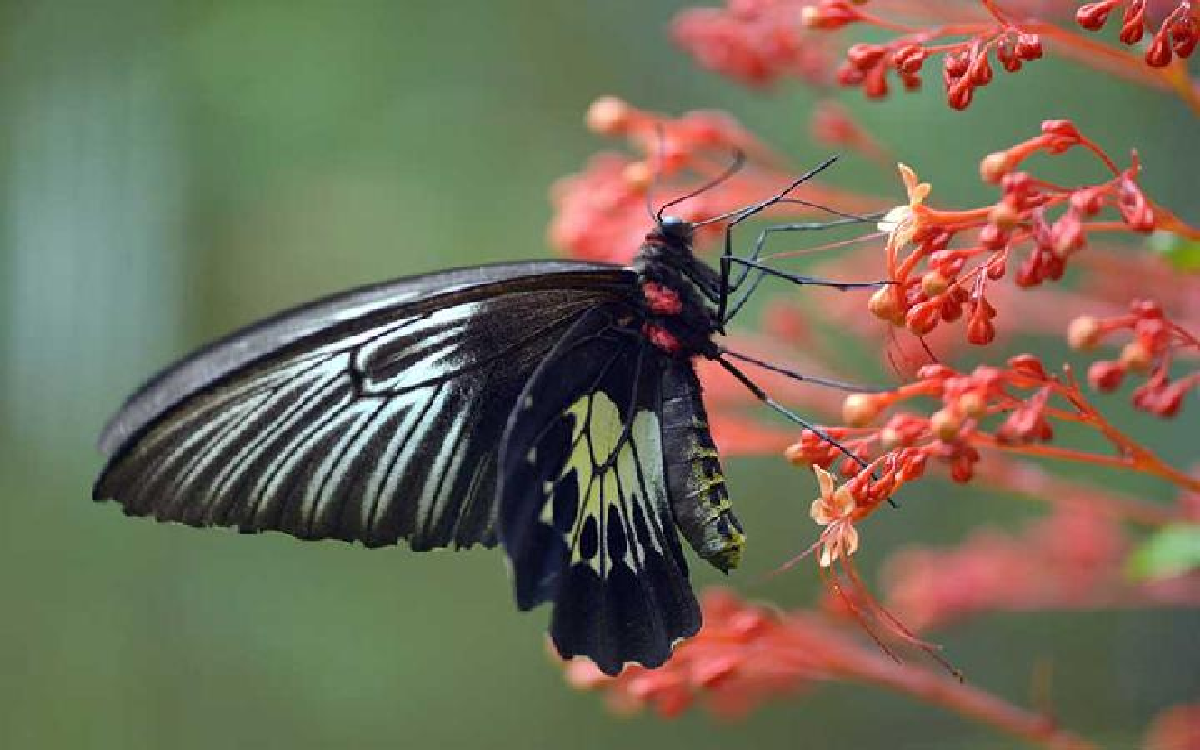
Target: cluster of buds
(600, 213)
(746, 655)
(965, 64)
(1156, 342)
(955, 255)
(1177, 34)
(950, 434)
(754, 42)
(1010, 409)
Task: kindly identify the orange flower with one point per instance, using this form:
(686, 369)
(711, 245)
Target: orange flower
(834, 510)
(902, 222)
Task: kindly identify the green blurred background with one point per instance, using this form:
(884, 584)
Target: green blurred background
(171, 170)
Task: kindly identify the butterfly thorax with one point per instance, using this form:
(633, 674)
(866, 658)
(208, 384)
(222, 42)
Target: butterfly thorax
(679, 318)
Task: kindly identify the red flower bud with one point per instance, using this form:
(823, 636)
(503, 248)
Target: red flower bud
(1158, 54)
(954, 66)
(959, 95)
(875, 84)
(980, 330)
(1106, 376)
(980, 71)
(992, 237)
(1027, 364)
(1062, 129)
(1093, 15)
(865, 56)
(1029, 46)
(909, 58)
(1185, 33)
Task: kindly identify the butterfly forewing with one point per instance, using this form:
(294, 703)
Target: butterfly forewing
(372, 416)
(584, 512)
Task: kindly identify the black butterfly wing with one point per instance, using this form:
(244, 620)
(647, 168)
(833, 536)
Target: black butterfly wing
(370, 416)
(584, 511)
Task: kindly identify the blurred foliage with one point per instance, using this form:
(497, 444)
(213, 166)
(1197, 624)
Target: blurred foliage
(173, 169)
(1168, 552)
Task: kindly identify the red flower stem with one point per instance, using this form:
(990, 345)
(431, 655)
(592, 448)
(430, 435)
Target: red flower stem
(966, 700)
(1030, 480)
(1151, 465)
(1119, 62)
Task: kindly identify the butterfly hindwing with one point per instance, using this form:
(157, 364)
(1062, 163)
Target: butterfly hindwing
(373, 416)
(583, 509)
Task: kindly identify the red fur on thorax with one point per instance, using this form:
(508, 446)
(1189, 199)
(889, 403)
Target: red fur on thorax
(661, 300)
(662, 338)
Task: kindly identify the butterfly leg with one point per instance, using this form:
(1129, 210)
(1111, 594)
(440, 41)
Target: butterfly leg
(801, 378)
(787, 413)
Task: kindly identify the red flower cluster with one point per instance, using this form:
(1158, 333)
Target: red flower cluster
(759, 41)
(747, 654)
(754, 42)
(942, 266)
(956, 255)
(1074, 558)
(1177, 728)
(1156, 341)
(1177, 35)
(1009, 409)
(600, 213)
(965, 64)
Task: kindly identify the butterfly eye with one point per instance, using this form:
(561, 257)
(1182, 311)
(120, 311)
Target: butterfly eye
(676, 228)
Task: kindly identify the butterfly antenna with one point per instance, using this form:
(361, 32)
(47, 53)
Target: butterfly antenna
(748, 211)
(739, 161)
(660, 138)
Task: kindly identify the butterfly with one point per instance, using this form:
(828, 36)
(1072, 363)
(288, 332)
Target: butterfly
(548, 407)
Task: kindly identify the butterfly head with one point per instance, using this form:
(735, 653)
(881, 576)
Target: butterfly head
(674, 231)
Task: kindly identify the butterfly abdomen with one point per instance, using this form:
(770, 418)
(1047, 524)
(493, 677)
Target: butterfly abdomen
(695, 481)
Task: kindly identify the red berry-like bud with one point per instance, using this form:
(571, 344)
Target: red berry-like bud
(1185, 33)
(980, 70)
(909, 58)
(863, 56)
(1029, 46)
(996, 268)
(1061, 128)
(1170, 399)
(875, 84)
(1029, 365)
(911, 81)
(1133, 22)
(831, 14)
(848, 75)
(923, 317)
(951, 309)
(1093, 15)
(1105, 376)
(980, 330)
(954, 66)
(992, 237)
(1158, 54)
(935, 372)
(1087, 201)
(959, 95)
